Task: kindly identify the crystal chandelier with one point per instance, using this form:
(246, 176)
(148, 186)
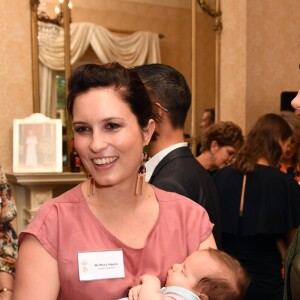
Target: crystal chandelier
(48, 28)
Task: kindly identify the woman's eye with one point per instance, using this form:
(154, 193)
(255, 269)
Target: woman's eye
(81, 129)
(112, 126)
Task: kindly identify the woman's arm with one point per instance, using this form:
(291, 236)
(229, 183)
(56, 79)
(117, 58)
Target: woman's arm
(37, 272)
(283, 244)
(208, 243)
(8, 207)
(6, 281)
(290, 236)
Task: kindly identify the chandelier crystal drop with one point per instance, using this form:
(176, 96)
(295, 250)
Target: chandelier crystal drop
(47, 33)
(49, 28)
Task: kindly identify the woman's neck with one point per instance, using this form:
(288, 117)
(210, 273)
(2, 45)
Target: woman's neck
(286, 161)
(263, 161)
(115, 197)
(205, 160)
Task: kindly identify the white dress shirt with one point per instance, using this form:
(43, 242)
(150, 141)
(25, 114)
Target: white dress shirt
(154, 161)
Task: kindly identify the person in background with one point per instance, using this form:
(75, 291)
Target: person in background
(8, 239)
(290, 159)
(172, 166)
(260, 206)
(220, 143)
(31, 142)
(296, 104)
(207, 274)
(208, 119)
(102, 235)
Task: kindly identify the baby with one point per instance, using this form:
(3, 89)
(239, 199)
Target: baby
(208, 274)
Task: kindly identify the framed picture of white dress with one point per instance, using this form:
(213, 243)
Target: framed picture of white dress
(37, 144)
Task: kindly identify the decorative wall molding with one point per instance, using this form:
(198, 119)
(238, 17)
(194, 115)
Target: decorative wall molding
(32, 190)
(170, 3)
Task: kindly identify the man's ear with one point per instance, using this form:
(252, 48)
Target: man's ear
(159, 111)
(214, 147)
(149, 131)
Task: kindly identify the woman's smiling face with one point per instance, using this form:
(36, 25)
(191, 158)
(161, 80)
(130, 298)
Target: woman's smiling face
(107, 137)
(290, 149)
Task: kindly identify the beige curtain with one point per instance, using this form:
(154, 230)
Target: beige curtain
(129, 50)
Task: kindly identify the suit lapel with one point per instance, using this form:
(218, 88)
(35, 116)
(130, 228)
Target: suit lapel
(176, 153)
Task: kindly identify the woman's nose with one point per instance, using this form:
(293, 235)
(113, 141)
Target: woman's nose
(232, 158)
(97, 143)
(296, 101)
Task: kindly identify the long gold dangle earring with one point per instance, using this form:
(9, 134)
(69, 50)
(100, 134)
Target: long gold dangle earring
(140, 182)
(91, 186)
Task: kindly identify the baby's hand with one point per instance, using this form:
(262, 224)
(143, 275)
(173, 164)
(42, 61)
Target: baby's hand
(148, 283)
(149, 279)
(134, 292)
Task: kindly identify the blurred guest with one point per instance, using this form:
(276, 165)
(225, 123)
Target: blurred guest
(290, 159)
(8, 239)
(260, 206)
(208, 119)
(219, 144)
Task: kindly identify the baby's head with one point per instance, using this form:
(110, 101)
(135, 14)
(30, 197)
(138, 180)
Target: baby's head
(211, 274)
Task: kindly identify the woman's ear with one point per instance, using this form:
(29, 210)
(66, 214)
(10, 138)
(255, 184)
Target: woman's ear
(214, 147)
(149, 131)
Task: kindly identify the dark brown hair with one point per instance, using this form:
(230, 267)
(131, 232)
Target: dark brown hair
(125, 82)
(263, 142)
(169, 88)
(294, 121)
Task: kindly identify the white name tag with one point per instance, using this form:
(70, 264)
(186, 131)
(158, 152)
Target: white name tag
(101, 265)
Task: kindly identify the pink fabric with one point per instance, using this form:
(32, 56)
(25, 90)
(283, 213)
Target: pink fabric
(65, 226)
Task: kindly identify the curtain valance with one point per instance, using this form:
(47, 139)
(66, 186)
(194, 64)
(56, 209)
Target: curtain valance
(139, 48)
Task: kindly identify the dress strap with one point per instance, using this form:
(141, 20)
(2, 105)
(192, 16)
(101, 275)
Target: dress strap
(243, 196)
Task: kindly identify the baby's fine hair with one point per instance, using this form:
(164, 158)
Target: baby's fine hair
(229, 284)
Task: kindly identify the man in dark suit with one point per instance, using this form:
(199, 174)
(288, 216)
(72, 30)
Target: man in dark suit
(172, 165)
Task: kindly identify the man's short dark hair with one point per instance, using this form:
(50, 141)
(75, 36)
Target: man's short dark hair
(169, 88)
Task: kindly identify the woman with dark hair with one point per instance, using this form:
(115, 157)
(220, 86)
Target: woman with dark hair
(260, 206)
(97, 239)
(290, 159)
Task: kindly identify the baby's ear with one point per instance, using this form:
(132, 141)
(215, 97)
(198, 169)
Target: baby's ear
(203, 296)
